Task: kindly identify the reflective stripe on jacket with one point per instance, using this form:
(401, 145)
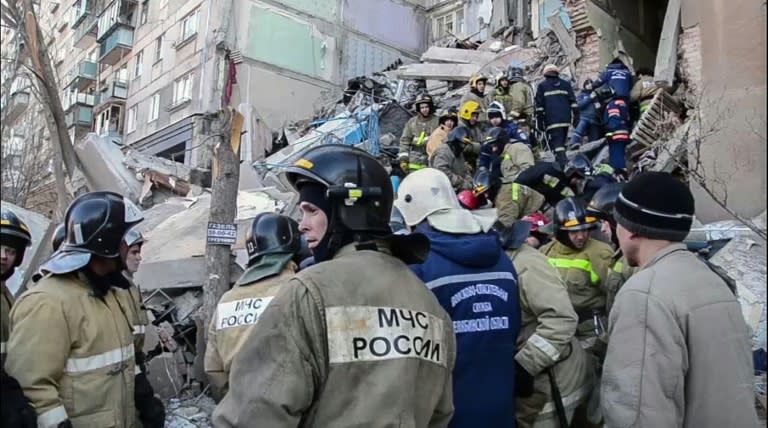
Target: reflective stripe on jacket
(514, 201)
(555, 101)
(455, 167)
(413, 141)
(73, 353)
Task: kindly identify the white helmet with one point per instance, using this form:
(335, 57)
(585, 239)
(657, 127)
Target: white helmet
(497, 107)
(427, 194)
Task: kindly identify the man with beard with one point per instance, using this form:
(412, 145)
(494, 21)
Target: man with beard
(71, 344)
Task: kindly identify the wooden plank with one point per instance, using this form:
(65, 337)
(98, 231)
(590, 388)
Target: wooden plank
(454, 72)
(563, 36)
(666, 55)
(437, 54)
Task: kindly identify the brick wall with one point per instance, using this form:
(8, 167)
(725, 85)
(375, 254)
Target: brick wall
(587, 40)
(689, 57)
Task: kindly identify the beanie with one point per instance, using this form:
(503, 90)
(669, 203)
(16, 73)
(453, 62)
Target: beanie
(655, 205)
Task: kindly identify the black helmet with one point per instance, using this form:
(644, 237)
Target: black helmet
(360, 197)
(451, 113)
(571, 214)
(133, 237)
(460, 134)
(272, 233)
(496, 135)
(514, 73)
(601, 205)
(514, 236)
(424, 98)
(15, 234)
(579, 165)
(58, 237)
(95, 223)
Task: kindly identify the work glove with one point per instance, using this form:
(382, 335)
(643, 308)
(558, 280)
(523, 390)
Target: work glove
(151, 409)
(523, 382)
(15, 410)
(404, 165)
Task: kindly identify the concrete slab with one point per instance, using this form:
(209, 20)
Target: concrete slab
(453, 72)
(459, 56)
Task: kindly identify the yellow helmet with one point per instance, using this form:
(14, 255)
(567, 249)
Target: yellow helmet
(469, 108)
(477, 78)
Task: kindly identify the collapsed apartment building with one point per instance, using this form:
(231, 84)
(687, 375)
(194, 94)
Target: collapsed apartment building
(683, 41)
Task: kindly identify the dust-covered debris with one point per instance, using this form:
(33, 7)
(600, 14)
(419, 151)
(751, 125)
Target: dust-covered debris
(189, 413)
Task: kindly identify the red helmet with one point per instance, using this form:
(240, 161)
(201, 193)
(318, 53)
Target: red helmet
(468, 200)
(540, 223)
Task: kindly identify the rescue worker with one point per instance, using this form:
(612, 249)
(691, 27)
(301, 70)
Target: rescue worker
(643, 90)
(585, 180)
(541, 231)
(303, 365)
(501, 93)
(617, 129)
(273, 243)
(514, 201)
(477, 94)
(679, 351)
(521, 94)
(469, 114)
(497, 116)
(71, 344)
(447, 121)
(548, 179)
(547, 349)
(589, 118)
(150, 410)
(15, 410)
(601, 206)
(583, 264)
(556, 110)
(413, 142)
(516, 157)
(496, 139)
(449, 158)
(617, 76)
(463, 258)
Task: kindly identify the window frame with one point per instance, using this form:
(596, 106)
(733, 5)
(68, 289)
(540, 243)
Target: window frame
(185, 94)
(138, 66)
(154, 107)
(131, 119)
(189, 18)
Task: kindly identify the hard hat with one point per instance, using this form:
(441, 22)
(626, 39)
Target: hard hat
(514, 73)
(501, 76)
(58, 237)
(14, 234)
(468, 200)
(468, 109)
(579, 165)
(551, 70)
(601, 205)
(571, 215)
(540, 223)
(496, 108)
(95, 224)
(427, 194)
(481, 182)
(449, 113)
(133, 237)
(496, 135)
(459, 134)
(272, 233)
(424, 98)
(477, 78)
(360, 196)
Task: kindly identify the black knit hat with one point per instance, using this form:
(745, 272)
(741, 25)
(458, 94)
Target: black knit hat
(655, 205)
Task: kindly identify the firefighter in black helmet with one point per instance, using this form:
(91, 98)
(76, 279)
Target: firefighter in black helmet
(74, 318)
(15, 409)
(583, 264)
(413, 142)
(601, 206)
(274, 248)
(303, 342)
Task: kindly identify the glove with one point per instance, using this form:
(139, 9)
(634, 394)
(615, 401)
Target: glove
(523, 382)
(15, 410)
(151, 409)
(404, 166)
(593, 95)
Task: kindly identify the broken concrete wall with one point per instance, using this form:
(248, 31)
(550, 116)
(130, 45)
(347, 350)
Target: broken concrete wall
(733, 89)
(102, 162)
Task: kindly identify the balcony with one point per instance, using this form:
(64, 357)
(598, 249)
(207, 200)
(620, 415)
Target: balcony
(115, 92)
(72, 99)
(83, 76)
(116, 46)
(85, 34)
(15, 105)
(81, 116)
(113, 17)
(80, 11)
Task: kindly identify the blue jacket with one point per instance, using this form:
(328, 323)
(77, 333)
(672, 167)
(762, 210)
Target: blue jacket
(587, 109)
(514, 132)
(618, 77)
(474, 280)
(554, 102)
(616, 116)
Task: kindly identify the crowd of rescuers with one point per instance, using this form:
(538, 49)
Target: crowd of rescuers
(512, 292)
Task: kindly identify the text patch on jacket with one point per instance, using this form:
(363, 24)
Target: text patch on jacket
(369, 333)
(240, 312)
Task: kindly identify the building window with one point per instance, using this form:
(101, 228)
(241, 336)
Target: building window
(130, 122)
(154, 108)
(189, 26)
(144, 12)
(159, 48)
(447, 24)
(138, 66)
(182, 89)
